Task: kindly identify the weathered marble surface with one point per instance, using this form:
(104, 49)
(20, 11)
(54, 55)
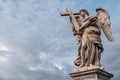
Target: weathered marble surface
(91, 74)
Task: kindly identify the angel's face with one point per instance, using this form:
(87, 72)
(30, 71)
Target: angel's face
(82, 13)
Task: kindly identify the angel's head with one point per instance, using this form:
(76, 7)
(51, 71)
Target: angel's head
(84, 12)
(100, 9)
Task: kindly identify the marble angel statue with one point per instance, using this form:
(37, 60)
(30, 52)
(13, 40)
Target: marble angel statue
(87, 32)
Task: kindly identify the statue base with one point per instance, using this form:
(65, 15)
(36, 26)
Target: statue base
(91, 74)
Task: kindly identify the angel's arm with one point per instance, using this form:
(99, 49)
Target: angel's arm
(86, 22)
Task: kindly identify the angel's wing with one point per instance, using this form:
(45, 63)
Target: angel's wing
(103, 21)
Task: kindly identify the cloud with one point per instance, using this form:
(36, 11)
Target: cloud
(36, 42)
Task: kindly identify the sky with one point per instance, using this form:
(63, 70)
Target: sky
(36, 43)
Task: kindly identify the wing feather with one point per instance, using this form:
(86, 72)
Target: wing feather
(103, 20)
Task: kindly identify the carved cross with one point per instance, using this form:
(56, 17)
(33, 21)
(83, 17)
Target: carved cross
(67, 13)
(72, 18)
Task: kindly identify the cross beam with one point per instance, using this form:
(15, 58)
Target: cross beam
(67, 13)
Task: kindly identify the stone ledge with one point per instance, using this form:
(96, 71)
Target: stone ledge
(93, 74)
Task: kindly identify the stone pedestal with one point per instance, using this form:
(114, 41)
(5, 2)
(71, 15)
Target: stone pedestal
(93, 74)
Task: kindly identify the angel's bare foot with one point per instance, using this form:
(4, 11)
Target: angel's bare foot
(82, 65)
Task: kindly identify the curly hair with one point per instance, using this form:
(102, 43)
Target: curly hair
(97, 9)
(84, 10)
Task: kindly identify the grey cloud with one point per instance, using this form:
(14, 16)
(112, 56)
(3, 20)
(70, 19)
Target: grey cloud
(40, 41)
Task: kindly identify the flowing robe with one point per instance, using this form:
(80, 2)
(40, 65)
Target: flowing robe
(90, 48)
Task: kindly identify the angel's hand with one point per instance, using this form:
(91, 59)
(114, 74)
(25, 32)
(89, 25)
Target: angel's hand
(93, 19)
